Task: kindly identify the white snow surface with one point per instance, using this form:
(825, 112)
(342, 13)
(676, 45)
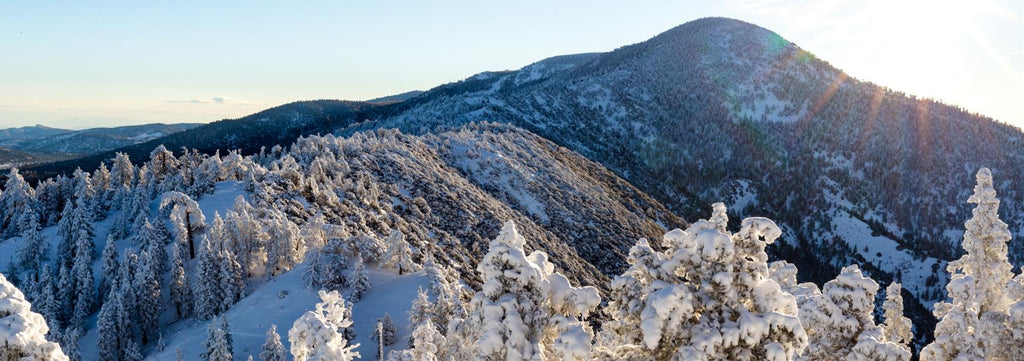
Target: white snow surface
(252, 316)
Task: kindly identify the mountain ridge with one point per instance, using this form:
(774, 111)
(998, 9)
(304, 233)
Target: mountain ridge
(719, 109)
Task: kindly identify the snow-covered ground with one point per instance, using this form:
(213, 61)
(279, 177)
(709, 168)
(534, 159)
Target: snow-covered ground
(284, 298)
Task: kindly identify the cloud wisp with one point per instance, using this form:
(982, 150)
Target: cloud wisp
(214, 100)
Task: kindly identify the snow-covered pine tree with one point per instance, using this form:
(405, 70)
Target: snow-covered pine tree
(349, 332)
(426, 345)
(524, 310)
(709, 297)
(840, 322)
(32, 254)
(66, 236)
(84, 193)
(390, 332)
(50, 201)
(218, 342)
(161, 162)
(186, 216)
(232, 279)
(624, 304)
(207, 287)
(285, 248)
(152, 241)
(359, 280)
(23, 333)
(246, 238)
(147, 285)
(422, 309)
(447, 294)
(70, 345)
(46, 298)
(132, 352)
(65, 295)
(181, 293)
(398, 253)
(16, 199)
(84, 282)
(973, 324)
(897, 327)
(235, 166)
(316, 334)
(108, 334)
(108, 268)
(101, 187)
(122, 171)
(272, 348)
(128, 314)
(327, 268)
(1015, 291)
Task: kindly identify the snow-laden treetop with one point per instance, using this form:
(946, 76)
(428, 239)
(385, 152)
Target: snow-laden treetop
(22, 332)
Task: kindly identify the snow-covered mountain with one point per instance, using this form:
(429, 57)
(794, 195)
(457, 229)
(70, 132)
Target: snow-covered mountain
(713, 110)
(718, 109)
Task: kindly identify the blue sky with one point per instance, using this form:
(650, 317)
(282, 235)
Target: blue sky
(86, 64)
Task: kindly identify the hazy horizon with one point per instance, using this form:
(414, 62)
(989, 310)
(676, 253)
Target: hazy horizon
(85, 65)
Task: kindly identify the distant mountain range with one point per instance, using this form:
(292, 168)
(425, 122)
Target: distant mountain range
(717, 109)
(34, 144)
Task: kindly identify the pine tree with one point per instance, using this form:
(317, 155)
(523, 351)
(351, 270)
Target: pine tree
(447, 294)
(122, 171)
(422, 309)
(161, 163)
(526, 311)
(33, 253)
(24, 331)
(973, 324)
(390, 332)
(218, 342)
(154, 243)
(326, 270)
(127, 313)
(109, 268)
(232, 279)
(359, 280)
(272, 348)
(84, 285)
(896, 327)
(65, 295)
(181, 293)
(316, 334)
(70, 345)
(207, 284)
(109, 336)
(707, 296)
(245, 238)
(46, 299)
(426, 344)
(132, 352)
(66, 236)
(285, 248)
(147, 283)
(16, 199)
(186, 216)
(840, 321)
(399, 254)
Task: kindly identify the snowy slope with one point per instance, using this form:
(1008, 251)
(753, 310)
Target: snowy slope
(283, 299)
